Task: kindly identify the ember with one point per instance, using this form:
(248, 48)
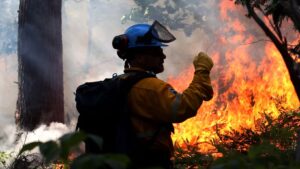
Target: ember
(59, 166)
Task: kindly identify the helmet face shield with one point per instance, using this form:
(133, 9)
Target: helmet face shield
(156, 32)
(161, 33)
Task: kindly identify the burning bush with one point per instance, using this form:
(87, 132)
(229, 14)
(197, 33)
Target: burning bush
(280, 132)
(189, 156)
(272, 144)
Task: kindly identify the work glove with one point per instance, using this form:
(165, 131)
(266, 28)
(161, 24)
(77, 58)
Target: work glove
(201, 81)
(202, 63)
(200, 88)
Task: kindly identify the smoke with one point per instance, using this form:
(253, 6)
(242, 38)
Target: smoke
(8, 90)
(12, 140)
(88, 29)
(8, 68)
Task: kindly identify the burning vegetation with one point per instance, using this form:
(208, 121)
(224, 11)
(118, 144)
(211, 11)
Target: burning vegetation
(242, 95)
(270, 143)
(253, 117)
(250, 80)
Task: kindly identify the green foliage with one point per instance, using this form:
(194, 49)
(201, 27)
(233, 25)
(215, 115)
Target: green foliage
(189, 156)
(56, 150)
(68, 141)
(262, 156)
(107, 161)
(29, 146)
(271, 145)
(184, 15)
(281, 131)
(3, 158)
(50, 150)
(59, 151)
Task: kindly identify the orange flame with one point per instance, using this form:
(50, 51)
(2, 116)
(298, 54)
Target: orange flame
(59, 166)
(245, 86)
(254, 89)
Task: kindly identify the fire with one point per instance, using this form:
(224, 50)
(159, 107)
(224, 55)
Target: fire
(248, 80)
(59, 166)
(72, 156)
(241, 95)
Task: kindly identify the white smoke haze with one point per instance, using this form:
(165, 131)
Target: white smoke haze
(12, 140)
(8, 89)
(88, 29)
(8, 73)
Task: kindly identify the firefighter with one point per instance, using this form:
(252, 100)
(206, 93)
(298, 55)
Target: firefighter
(153, 103)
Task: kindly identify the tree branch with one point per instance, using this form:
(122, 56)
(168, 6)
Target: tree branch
(280, 45)
(293, 9)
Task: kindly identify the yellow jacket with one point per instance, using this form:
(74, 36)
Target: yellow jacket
(155, 105)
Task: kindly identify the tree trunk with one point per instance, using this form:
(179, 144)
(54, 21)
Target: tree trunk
(40, 71)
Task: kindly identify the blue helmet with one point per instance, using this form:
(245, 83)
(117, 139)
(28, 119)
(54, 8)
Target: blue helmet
(135, 36)
(143, 35)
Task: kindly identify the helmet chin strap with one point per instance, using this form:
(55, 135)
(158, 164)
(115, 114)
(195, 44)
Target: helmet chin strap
(126, 65)
(148, 69)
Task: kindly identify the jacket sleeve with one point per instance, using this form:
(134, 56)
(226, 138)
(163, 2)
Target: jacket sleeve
(155, 99)
(200, 89)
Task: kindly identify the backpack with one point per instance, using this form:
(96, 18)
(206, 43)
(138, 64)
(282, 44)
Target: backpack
(103, 112)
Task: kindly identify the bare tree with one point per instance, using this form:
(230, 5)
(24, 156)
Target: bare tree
(40, 71)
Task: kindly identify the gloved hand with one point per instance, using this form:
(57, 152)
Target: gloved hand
(202, 63)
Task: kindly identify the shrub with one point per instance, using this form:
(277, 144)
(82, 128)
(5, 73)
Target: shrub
(272, 145)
